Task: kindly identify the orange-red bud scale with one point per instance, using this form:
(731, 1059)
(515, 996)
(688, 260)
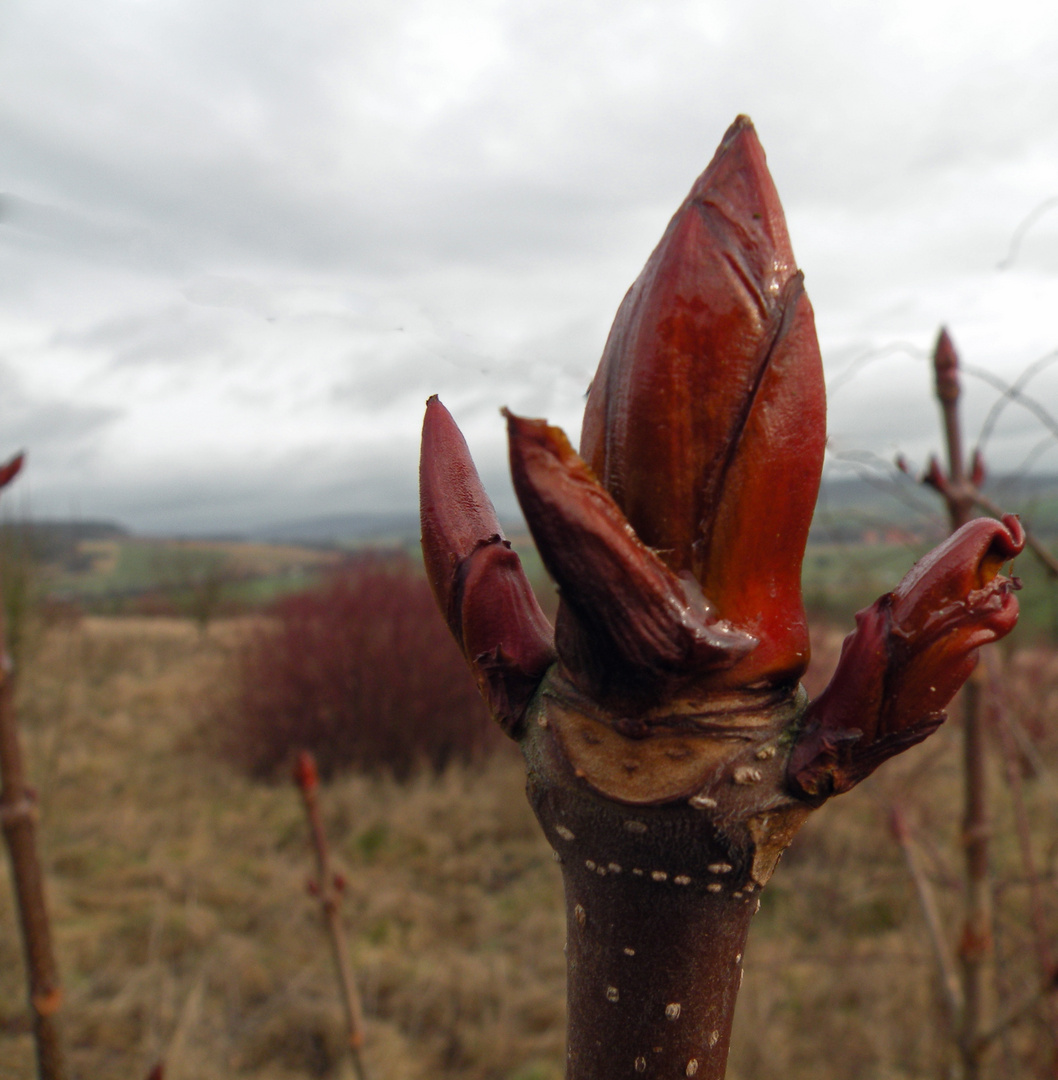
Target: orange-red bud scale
(676, 536)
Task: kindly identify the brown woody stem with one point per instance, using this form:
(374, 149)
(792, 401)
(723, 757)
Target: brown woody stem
(949, 979)
(654, 968)
(328, 890)
(659, 891)
(1012, 767)
(18, 816)
(976, 945)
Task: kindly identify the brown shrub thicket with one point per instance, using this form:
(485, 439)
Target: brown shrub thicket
(362, 672)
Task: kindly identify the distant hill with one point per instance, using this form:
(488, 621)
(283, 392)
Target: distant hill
(339, 530)
(867, 508)
(57, 541)
(851, 509)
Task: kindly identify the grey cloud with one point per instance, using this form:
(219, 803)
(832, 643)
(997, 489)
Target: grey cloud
(370, 202)
(173, 335)
(56, 434)
(592, 131)
(214, 290)
(199, 493)
(67, 229)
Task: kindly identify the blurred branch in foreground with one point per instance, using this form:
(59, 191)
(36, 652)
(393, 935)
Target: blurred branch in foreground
(328, 887)
(1027, 222)
(968, 1000)
(18, 815)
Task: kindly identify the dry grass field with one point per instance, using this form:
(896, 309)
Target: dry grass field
(184, 930)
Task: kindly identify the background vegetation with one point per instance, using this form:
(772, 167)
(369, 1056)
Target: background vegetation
(177, 880)
(361, 671)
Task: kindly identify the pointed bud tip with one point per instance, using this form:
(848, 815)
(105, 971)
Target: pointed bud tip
(12, 468)
(946, 367)
(934, 476)
(978, 471)
(944, 347)
(456, 514)
(306, 775)
(739, 128)
(478, 581)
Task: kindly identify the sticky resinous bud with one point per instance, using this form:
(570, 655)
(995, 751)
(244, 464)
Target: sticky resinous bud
(478, 581)
(676, 537)
(909, 654)
(631, 630)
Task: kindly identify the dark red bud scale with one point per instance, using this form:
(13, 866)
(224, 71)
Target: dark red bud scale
(946, 367)
(629, 628)
(671, 755)
(934, 476)
(910, 652)
(478, 580)
(977, 468)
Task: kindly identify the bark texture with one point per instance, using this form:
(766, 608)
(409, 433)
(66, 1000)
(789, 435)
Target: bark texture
(665, 842)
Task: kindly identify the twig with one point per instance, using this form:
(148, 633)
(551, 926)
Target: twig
(1016, 388)
(1042, 446)
(887, 483)
(949, 978)
(958, 489)
(961, 493)
(1045, 417)
(18, 816)
(328, 887)
(852, 368)
(1027, 222)
(1036, 906)
(1029, 751)
(1016, 1011)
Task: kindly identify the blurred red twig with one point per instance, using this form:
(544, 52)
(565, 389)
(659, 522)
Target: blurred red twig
(18, 816)
(949, 977)
(328, 887)
(958, 489)
(1012, 763)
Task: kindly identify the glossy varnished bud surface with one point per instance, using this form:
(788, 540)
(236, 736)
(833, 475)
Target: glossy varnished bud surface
(909, 654)
(706, 419)
(630, 629)
(478, 580)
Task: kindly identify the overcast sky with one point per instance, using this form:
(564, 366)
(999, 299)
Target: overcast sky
(241, 242)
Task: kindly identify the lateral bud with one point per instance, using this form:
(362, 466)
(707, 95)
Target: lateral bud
(478, 580)
(909, 654)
